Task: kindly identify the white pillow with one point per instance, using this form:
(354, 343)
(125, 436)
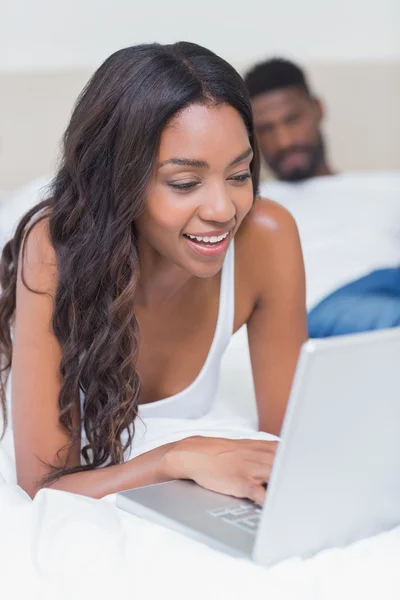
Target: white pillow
(14, 204)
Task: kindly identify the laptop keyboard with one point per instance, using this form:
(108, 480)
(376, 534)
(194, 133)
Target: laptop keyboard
(246, 516)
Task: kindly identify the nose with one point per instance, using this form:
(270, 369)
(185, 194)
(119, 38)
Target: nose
(217, 205)
(284, 138)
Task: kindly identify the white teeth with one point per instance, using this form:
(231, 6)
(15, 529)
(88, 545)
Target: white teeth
(214, 239)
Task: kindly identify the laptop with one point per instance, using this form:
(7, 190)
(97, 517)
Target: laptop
(336, 476)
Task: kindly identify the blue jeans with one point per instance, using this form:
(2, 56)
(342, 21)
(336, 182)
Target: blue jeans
(372, 302)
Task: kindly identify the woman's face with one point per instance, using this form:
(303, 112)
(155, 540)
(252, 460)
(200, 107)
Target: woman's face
(201, 190)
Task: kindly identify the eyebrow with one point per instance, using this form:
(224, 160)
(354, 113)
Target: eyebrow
(202, 164)
(262, 125)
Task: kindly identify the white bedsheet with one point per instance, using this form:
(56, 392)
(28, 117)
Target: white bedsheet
(66, 546)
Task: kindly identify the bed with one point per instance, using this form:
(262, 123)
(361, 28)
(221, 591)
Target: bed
(62, 545)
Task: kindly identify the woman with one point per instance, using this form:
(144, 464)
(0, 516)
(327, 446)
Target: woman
(152, 227)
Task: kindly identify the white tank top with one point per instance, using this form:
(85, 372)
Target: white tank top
(196, 400)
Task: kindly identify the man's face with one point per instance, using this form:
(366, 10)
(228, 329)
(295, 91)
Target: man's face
(287, 126)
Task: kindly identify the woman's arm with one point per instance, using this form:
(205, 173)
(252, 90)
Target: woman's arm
(278, 325)
(228, 466)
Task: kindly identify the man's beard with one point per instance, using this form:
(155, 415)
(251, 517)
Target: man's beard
(315, 154)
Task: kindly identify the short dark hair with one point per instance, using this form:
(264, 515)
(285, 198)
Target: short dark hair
(274, 74)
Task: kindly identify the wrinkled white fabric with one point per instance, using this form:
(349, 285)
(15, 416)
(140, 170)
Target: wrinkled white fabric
(64, 546)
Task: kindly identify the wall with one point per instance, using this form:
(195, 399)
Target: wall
(44, 34)
(351, 48)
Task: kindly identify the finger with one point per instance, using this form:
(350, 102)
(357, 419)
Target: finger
(259, 472)
(256, 492)
(261, 445)
(256, 456)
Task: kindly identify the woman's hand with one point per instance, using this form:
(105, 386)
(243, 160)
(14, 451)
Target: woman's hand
(238, 468)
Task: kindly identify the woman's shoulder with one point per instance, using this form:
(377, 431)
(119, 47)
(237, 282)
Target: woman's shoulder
(268, 257)
(268, 228)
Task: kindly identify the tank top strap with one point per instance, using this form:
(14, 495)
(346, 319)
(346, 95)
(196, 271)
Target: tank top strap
(195, 400)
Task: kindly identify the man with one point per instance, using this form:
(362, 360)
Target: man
(287, 120)
(349, 224)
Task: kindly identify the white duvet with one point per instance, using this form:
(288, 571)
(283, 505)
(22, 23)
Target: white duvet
(66, 546)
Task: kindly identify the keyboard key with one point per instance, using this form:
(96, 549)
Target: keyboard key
(246, 516)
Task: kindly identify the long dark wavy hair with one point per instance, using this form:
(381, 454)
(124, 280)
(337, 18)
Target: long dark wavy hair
(109, 152)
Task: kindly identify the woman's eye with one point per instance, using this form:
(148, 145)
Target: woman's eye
(187, 185)
(242, 178)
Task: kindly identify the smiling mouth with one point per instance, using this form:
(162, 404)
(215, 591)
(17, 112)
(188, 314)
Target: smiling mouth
(209, 240)
(208, 246)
